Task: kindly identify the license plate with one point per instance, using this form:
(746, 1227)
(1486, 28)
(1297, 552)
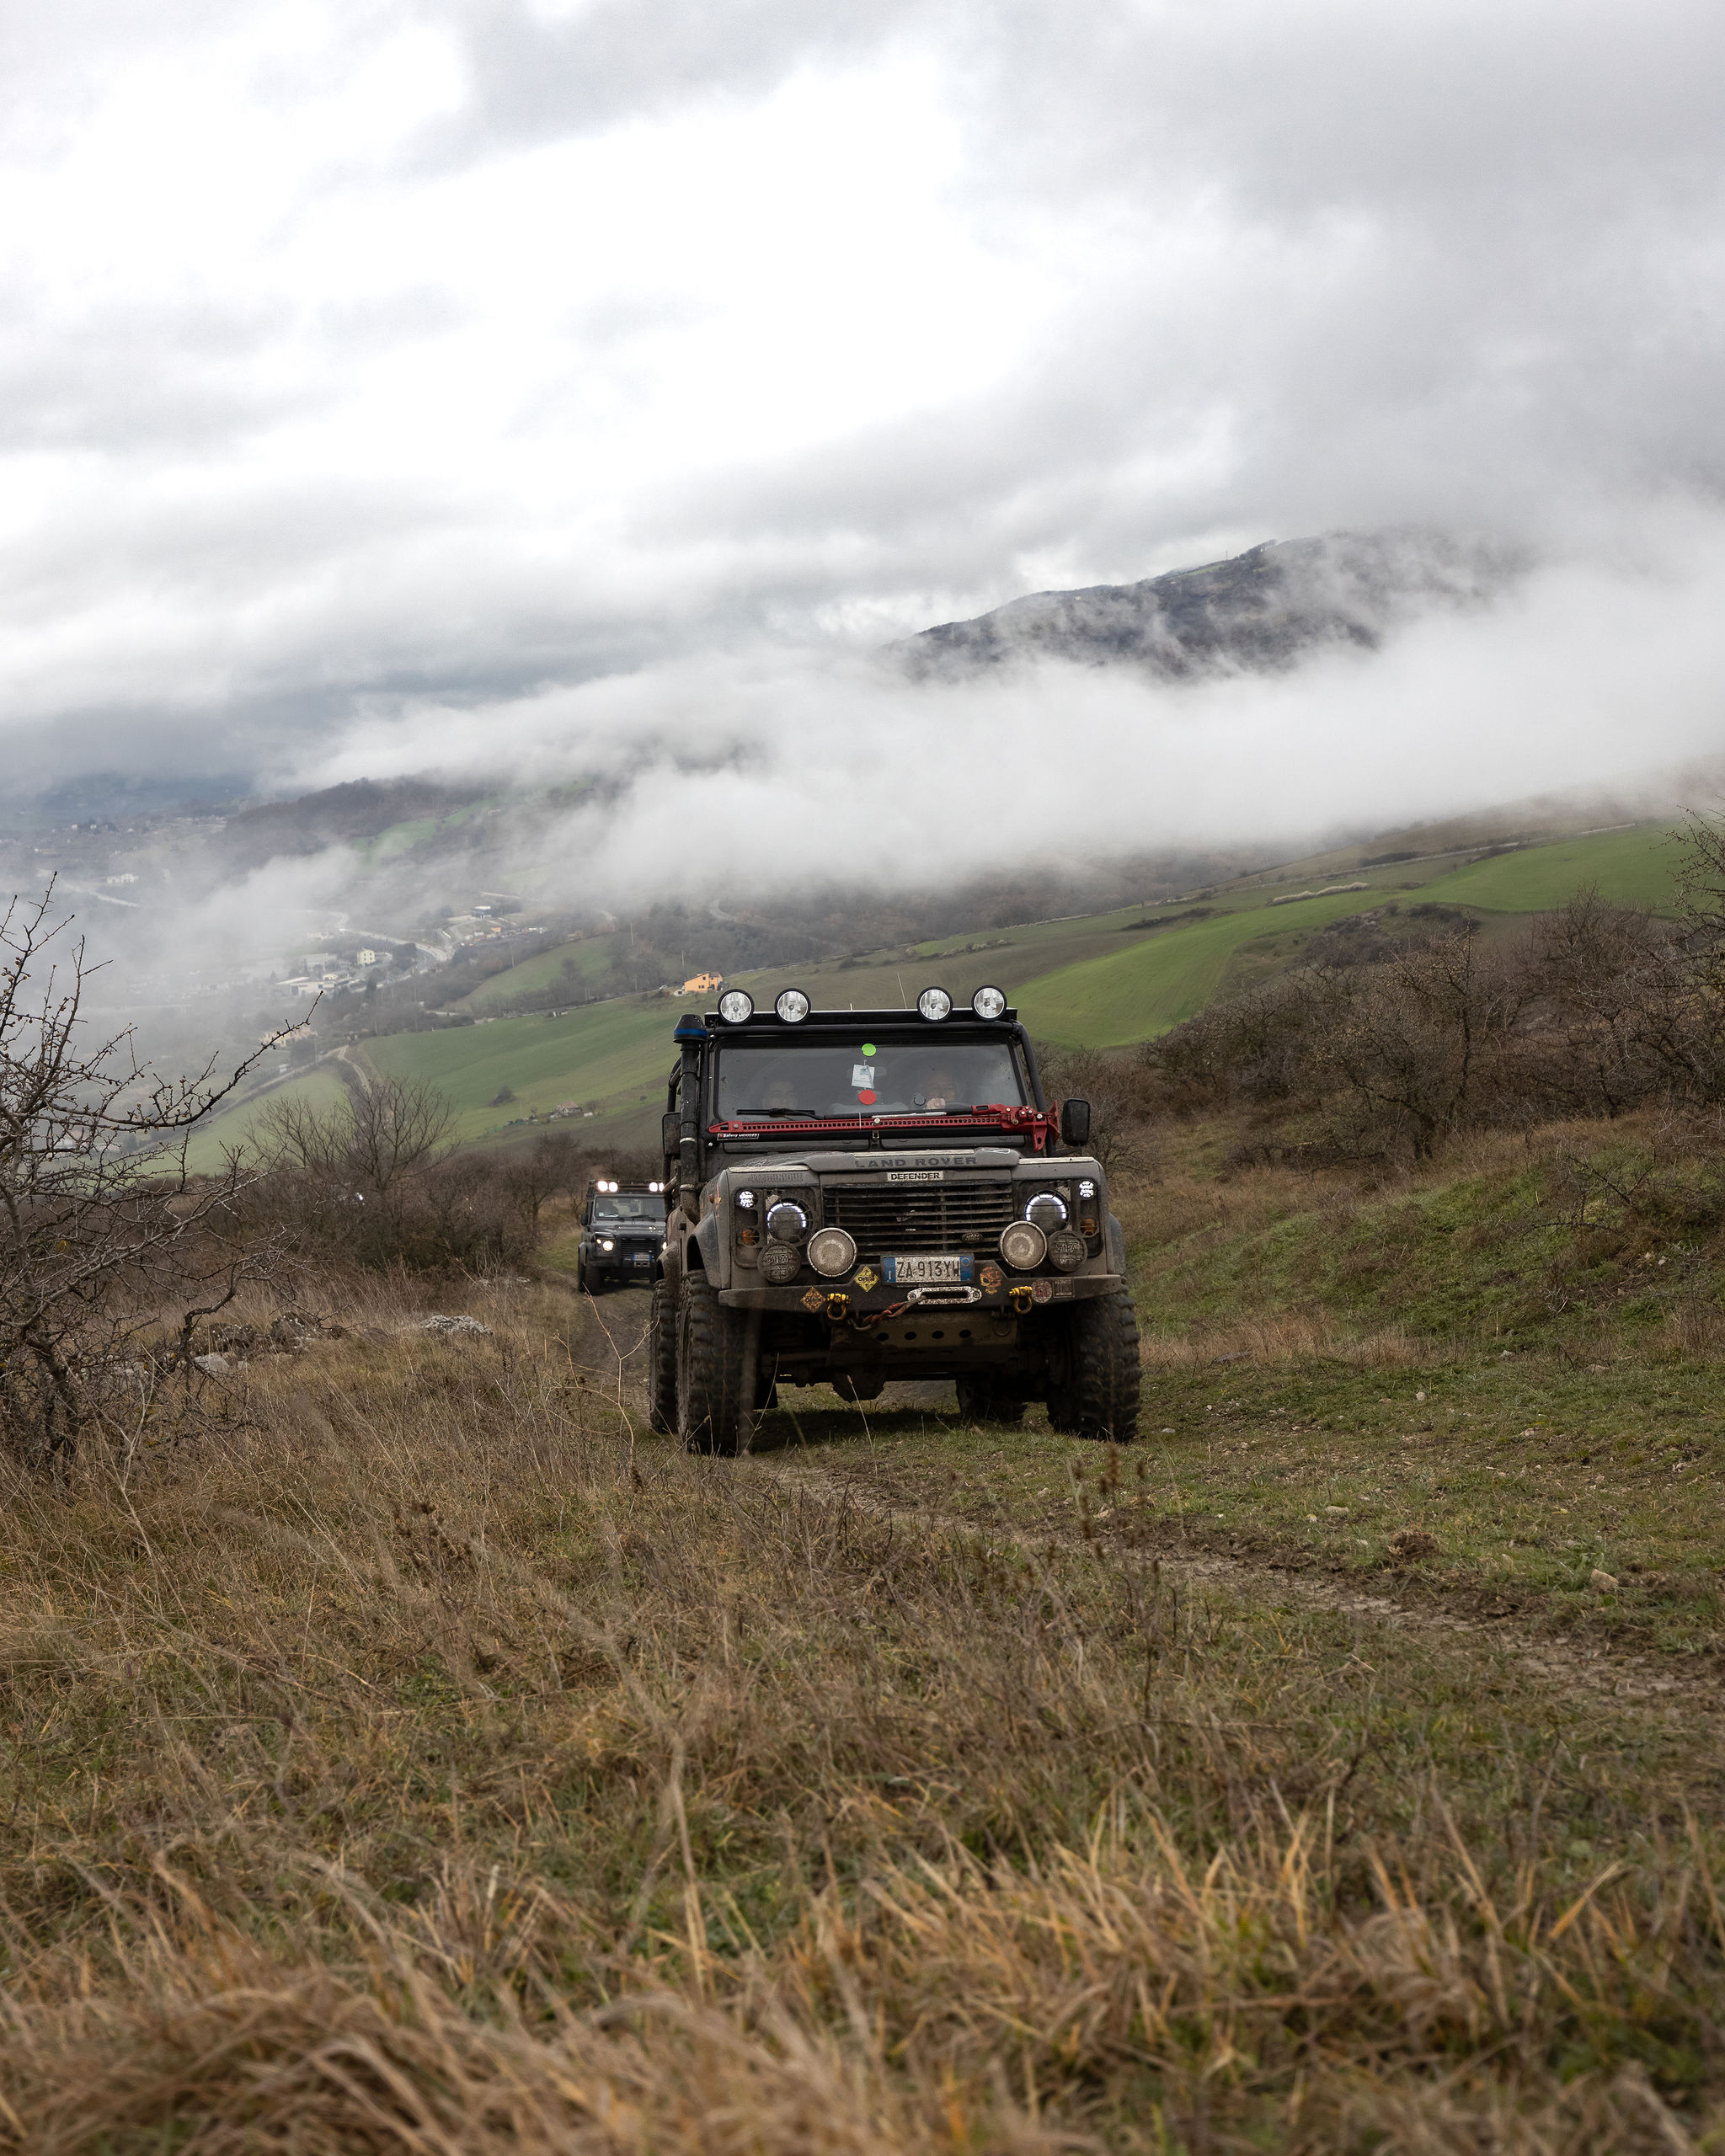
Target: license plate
(924, 1271)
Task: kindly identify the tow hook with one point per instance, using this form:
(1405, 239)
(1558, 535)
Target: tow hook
(836, 1307)
(1021, 1298)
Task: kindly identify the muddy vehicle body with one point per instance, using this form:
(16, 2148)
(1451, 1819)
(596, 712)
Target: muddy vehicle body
(623, 1235)
(857, 1196)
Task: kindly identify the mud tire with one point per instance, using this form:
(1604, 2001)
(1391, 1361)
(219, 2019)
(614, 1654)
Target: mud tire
(986, 1400)
(1099, 1398)
(709, 1369)
(662, 1361)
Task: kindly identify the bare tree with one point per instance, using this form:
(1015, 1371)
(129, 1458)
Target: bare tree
(384, 1128)
(555, 1162)
(104, 1232)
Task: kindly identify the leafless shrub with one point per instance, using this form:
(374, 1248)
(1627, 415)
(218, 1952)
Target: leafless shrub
(103, 1234)
(1121, 1135)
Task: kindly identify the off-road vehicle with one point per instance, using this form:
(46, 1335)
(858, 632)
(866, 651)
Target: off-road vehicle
(623, 1235)
(856, 1196)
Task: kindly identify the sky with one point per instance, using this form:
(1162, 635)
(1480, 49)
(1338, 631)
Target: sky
(496, 385)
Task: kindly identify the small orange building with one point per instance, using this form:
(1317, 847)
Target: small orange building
(699, 984)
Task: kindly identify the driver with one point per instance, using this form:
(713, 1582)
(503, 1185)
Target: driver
(941, 1090)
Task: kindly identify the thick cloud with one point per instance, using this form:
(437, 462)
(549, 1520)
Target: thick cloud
(359, 359)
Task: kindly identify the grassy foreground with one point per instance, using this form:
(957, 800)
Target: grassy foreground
(430, 1759)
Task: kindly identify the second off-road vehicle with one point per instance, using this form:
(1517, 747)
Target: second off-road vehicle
(858, 1196)
(623, 1235)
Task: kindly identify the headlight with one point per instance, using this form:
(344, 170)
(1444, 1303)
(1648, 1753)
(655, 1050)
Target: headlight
(989, 1002)
(734, 1006)
(787, 1223)
(1047, 1211)
(1023, 1245)
(934, 1003)
(793, 1006)
(1067, 1250)
(1087, 1190)
(780, 1262)
(832, 1251)
(605, 1243)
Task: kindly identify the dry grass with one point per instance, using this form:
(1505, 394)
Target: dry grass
(1285, 1336)
(436, 1763)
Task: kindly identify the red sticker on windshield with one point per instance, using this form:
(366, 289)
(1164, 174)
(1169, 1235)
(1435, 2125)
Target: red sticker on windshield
(867, 1097)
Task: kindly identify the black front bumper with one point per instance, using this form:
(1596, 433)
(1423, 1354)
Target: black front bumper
(855, 1302)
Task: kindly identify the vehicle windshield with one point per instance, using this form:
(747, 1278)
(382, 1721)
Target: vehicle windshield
(858, 1077)
(628, 1206)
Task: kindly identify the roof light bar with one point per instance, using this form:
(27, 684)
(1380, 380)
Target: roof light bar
(989, 1002)
(793, 1006)
(935, 1004)
(736, 1006)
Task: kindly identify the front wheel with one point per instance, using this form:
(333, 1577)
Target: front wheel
(662, 1362)
(1099, 1398)
(709, 1383)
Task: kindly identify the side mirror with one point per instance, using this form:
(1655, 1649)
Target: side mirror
(670, 1135)
(1074, 1123)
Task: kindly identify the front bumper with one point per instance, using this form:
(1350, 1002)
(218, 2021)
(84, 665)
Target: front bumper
(623, 1264)
(863, 1303)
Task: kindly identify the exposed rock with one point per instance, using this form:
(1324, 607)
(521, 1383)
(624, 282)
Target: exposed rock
(446, 1325)
(212, 1366)
(1602, 1583)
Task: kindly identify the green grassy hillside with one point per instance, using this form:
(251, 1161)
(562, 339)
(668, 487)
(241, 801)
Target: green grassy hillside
(1102, 981)
(614, 1054)
(320, 1087)
(1155, 982)
(1631, 868)
(591, 956)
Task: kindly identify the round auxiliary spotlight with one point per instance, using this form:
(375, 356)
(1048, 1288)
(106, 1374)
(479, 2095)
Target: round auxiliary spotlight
(735, 1006)
(1023, 1245)
(781, 1263)
(989, 1002)
(934, 1003)
(793, 1006)
(832, 1251)
(1066, 1250)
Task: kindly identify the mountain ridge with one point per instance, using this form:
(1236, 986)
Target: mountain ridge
(1262, 610)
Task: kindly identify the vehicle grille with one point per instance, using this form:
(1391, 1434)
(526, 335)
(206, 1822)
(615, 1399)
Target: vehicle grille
(922, 1216)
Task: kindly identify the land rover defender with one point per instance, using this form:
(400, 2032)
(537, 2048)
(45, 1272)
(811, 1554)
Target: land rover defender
(861, 1196)
(623, 1235)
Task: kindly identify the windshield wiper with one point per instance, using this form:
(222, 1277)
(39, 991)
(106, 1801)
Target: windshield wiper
(808, 1115)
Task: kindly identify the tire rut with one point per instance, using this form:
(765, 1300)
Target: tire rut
(1582, 1672)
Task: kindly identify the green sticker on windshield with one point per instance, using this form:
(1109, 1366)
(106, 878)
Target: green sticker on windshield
(868, 1048)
